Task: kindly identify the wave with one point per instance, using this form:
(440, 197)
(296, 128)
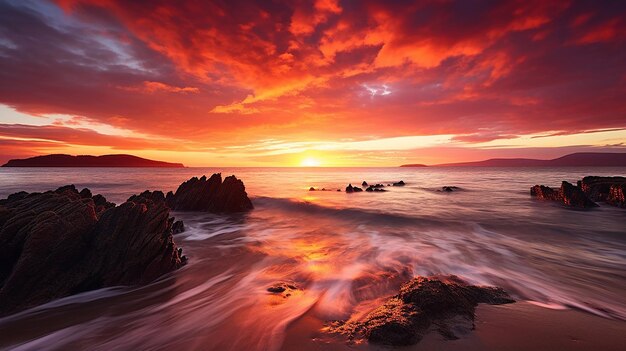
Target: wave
(347, 213)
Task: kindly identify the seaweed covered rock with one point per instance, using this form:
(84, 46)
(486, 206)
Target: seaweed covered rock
(63, 242)
(210, 195)
(421, 303)
(568, 194)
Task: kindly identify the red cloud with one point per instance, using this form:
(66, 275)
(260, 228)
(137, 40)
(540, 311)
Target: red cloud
(234, 71)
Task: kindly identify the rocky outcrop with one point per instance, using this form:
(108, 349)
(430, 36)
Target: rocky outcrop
(568, 195)
(543, 192)
(588, 190)
(574, 196)
(442, 302)
(353, 189)
(63, 242)
(210, 195)
(599, 188)
(616, 195)
(400, 183)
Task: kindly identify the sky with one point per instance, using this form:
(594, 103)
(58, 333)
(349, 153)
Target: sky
(312, 82)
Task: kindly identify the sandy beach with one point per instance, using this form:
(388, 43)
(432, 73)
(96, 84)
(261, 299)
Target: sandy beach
(515, 327)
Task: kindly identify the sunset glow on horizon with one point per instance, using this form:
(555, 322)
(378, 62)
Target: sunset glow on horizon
(322, 83)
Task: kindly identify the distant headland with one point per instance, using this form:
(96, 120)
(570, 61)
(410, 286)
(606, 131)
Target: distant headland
(580, 159)
(61, 160)
(414, 165)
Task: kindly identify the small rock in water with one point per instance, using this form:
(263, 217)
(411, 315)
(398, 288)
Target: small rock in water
(282, 287)
(400, 183)
(364, 183)
(311, 189)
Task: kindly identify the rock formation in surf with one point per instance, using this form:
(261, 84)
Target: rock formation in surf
(589, 189)
(63, 242)
(210, 195)
(353, 189)
(607, 189)
(447, 303)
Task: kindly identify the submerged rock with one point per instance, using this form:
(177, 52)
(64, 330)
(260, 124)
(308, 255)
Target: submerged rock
(282, 287)
(406, 317)
(400, 183)
(375, 188)
(210, 195)
(450, 189)
(63, 242)
(568, 195)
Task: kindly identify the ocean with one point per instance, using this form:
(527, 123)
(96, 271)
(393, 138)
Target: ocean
(345, 252)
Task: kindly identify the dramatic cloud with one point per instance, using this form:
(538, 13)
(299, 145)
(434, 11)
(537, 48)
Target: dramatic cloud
(217, 75)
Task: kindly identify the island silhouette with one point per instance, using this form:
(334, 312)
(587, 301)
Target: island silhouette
(579, 159)
(62, 160)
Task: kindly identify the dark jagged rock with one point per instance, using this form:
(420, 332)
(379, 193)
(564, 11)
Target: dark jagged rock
(353, 189)
(63, 242)
(400, 183)
(589, 189)
(599, 188)
(375, 188)
(406, 317)
(364, 183)
(544, 193)
(616, 195)
(568, 195)
(210, 195)
(450, 189)
(178, 227)
(574, 196)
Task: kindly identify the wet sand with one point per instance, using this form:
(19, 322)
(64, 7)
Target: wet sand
(518, 326)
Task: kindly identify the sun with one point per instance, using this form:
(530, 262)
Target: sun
(310, 162)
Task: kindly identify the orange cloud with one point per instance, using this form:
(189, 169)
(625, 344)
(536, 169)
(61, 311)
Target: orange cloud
(217, 74)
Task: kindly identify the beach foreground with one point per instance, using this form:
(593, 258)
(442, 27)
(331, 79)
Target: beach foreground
(516, 327)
